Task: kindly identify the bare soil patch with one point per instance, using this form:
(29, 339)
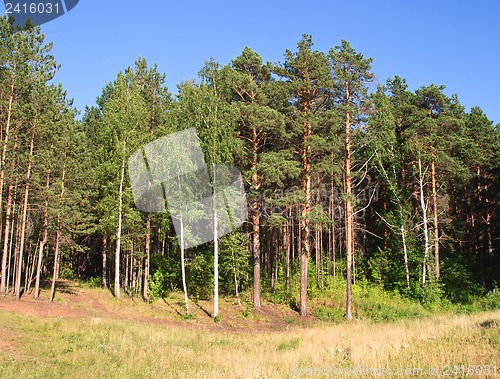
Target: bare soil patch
(75, 300)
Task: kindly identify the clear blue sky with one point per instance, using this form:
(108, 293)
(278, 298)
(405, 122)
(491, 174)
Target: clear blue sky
(455, 43)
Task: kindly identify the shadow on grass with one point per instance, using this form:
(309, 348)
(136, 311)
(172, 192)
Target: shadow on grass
(490, 324)
(204, 310)
(172, 307)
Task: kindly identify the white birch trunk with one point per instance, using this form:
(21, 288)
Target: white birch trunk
(216, 254)
(425, 221)
(183, 268)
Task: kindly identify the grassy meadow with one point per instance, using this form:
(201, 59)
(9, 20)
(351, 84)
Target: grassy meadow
(95, 343)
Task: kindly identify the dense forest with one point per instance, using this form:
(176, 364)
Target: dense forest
(346, 179)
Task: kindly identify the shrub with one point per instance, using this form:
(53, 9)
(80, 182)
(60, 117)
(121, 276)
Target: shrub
(67, 273)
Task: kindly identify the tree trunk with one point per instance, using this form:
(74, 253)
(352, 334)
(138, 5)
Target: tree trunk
(56, 260)
(317, 254)
(55, 273)
(235, 270)
(436, 221)
(275, 259)
(104, 278)
(476, 235)
(44, 237)
(321, 258)
(24, 217)
(333, 246)
(145, 293)
(30, 269)
(216, 254)
(11, 243)
(8, 216)
(489, 238)
(292, 237)
(424, 216)
(4, 150)
(317, 243)
(255, 223)
(349, 219)
(119, 228)
(127, 270)
(286, 242)
(183, 268)
(304, 222)
(405, 251)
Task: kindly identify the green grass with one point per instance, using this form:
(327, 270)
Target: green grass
(41, 347)
(129, 338)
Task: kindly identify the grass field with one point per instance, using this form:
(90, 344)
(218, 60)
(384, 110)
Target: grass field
(90, 335)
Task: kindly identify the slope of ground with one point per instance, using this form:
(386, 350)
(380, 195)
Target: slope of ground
(79, 301)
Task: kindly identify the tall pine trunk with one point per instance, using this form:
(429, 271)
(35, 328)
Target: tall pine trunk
(8, 217)
(56, 261)
(304, 222)
(286, 243)
(333, 245)
(119, 227)
(423, 205)
(43, 241)
(4, 152)
(436, 220)
(255, 223)
(349, 218)
(24, 217)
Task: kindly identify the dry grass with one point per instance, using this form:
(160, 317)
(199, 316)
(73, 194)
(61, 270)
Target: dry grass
(100, 347)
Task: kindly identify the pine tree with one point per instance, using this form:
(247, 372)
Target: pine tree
(306, 79)
(249, 81)
(351, 76)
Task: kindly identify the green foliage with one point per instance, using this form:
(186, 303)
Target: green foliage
(248, 311)
(188, 316)
(281, 296)
(157, 285)
(330, 314)
(376, 304)
(93, 282)
(457, 280)
(67, 273)
(165, 276)
(199, 272)
(490, 301)
(234, 262)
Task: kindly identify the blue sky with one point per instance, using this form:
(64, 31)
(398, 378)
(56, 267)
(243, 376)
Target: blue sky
(455, 43)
